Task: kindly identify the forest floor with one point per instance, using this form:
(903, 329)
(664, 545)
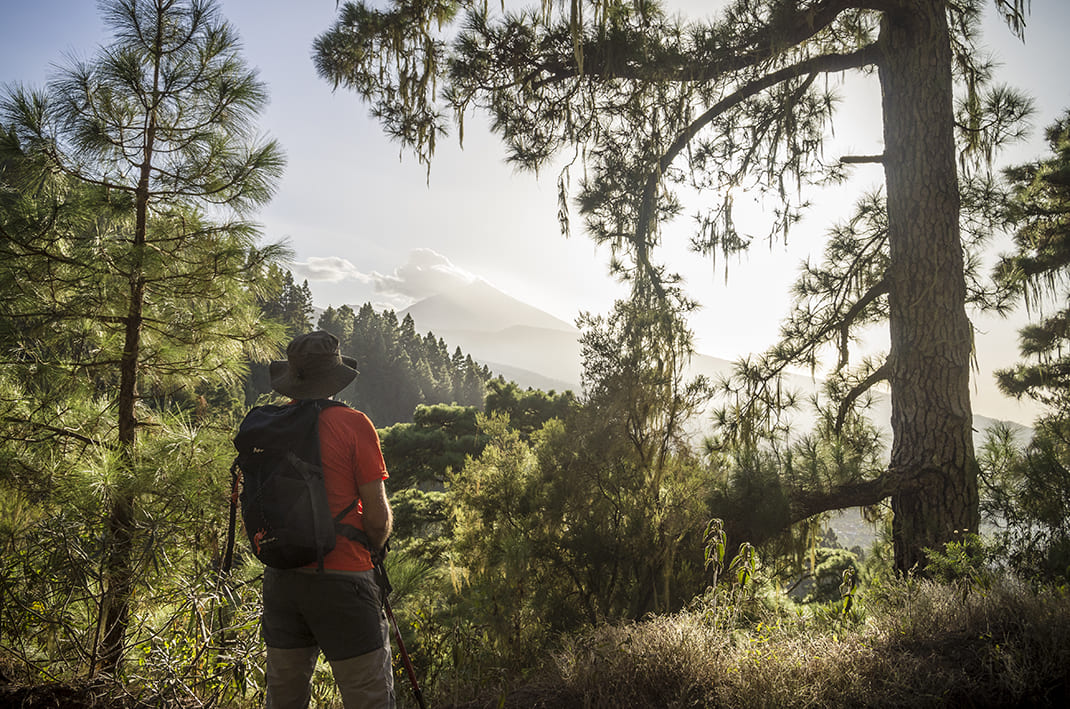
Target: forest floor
(55, 696)
(69, 695)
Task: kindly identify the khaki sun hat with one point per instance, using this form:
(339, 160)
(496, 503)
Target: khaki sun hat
(313, 369)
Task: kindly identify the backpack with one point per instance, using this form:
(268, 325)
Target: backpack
(283, 498)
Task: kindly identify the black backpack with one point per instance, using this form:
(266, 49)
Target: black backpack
(283, 499)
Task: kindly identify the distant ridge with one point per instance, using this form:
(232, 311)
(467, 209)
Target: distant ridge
(526, 379)
(536, 349)
(480, 307)
(514, 339)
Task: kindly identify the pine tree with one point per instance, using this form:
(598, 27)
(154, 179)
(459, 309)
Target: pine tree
(161, 120)
(286, 302)
(1040, 207)
(399, 369)
(1029, 487)
(652, 107)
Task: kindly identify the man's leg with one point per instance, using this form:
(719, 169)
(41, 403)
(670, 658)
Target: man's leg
(289, 675)
(350, 625)
(366, 681)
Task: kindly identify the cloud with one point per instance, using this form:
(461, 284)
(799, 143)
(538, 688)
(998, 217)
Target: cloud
(425, 274)
(331, 269)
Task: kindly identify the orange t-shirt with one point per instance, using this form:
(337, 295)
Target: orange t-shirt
(351, 456)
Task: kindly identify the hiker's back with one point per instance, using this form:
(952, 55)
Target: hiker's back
(349, 445)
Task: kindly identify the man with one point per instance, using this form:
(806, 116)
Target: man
(338, 610)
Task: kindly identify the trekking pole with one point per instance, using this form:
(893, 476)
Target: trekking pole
(404, 655)
(228, 555)
(384, 589)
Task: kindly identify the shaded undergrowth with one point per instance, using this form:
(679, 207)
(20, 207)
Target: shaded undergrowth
(901, 643)
(911, 644)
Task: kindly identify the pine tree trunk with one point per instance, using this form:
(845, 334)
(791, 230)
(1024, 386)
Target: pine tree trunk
(119, 566)
(932, 461)
(119, 563)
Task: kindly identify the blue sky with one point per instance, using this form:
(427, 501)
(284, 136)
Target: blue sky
(367, 223)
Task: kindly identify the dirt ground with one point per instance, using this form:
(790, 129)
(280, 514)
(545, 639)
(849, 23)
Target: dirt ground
(64, 696)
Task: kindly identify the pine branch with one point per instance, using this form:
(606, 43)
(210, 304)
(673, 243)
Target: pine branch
(770, 40)
(59, 431)
(878, 289)
(859, 159)
(862, 493)
(804, 504)
(821, 64)
(880, 374)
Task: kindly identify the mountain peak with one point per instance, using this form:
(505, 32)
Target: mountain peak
(479, 307)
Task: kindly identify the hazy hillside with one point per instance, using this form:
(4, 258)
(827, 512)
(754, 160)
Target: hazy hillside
(536, 349)
(480, 307)
(514, 339)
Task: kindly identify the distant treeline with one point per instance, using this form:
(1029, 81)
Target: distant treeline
(400, 369)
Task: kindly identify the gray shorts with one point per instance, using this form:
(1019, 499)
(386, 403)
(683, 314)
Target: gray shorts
(341, 612)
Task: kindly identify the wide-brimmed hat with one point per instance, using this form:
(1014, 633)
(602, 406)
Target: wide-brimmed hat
(313, 368)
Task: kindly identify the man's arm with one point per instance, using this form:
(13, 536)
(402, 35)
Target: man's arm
(377, 516)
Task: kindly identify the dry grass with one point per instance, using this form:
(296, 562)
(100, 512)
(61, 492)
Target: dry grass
(917, 644)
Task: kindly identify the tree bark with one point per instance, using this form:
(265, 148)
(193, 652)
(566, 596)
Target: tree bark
(935, 498)
(799, 505)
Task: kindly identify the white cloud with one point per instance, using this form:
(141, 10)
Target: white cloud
(425, 274)
(331, 269)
